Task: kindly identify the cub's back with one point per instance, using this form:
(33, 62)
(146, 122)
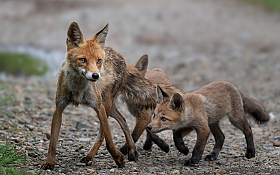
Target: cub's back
(218, 98)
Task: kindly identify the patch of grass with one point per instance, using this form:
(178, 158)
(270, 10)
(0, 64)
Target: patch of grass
(268, 4)
(11, 171)
(10, 155)
(6, 95)
(21, 64)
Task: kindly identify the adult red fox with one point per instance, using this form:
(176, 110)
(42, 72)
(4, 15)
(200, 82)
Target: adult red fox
(201, 111)
(91, 75)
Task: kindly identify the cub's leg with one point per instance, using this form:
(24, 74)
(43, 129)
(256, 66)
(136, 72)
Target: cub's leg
(178, 139)
(203, 132)
(219, 141)
(239, 120)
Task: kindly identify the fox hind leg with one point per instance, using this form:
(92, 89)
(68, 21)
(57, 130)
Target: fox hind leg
(239, 121)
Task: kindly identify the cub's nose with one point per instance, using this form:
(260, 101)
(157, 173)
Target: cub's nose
(149, 127)
(95, 76)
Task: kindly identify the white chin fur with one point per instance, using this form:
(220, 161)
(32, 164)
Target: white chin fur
(272, 117)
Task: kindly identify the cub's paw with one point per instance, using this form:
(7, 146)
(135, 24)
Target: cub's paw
(250, 154)
(210, 157)
(191, 162)
(47, 166)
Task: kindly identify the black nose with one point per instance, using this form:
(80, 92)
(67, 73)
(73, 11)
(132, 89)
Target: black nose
(95, 76)
(149, 127)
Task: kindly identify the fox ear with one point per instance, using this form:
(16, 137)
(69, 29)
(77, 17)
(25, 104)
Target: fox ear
(74, 36)
(142, 63)
(161, 95)
(176, 103)
(100, 37)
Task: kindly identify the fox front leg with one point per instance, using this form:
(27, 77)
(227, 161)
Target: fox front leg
(202, 136)
(179, 142)
(55, 128)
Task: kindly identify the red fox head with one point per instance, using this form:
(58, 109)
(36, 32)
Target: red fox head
(168, 114)
(86, 57)
(140, 67)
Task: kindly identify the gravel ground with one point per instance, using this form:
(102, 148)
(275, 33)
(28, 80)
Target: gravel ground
(195, 42)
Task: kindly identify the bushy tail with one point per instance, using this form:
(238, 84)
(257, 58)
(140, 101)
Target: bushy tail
(254, 108)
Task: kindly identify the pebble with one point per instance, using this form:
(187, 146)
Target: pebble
(30, 127)
(15, 139)
(104, 152)
(276, 143)
(80, 164)
(84, 139)
(32, 154)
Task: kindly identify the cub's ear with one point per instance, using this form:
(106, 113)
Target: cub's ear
(176, 103)
(74, 36)
(142, 63)
(100, 37)
(161, 95)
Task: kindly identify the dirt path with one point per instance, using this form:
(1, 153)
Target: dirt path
(194, 41)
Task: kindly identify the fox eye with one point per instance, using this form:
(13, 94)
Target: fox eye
(163, 119)
(98, 61)
(83, 60)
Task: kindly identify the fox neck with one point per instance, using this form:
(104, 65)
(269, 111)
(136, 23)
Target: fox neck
(73, 80)
(182, 121)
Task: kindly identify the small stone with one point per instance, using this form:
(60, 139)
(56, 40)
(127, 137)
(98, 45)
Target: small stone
(175, 172)
(276, 143)
(30, 127)
(104, 152)
(48, 136)
(112, 170)
(32, 154)
(84, 139)
(222, 171)
(80, 164)
(91, 171)
(15, 139)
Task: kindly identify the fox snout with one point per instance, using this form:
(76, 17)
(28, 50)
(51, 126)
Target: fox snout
(90, 76)
(153, 129)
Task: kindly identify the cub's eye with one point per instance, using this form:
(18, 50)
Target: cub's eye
(83, 60)
(98, 61)
(163, 119)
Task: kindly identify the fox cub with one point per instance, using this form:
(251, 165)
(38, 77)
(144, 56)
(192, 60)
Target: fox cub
(201, 111)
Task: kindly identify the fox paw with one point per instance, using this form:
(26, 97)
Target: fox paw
(250, 154)
(87, 160)
(120, 161)
(210, 157)
(190, 162)
(133, 156)
(47, 166)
